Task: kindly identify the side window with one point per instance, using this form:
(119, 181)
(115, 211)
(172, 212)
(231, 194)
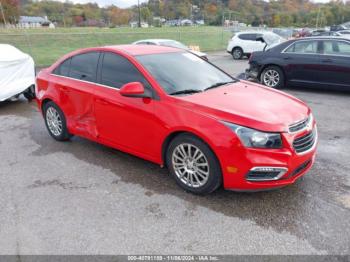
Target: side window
(303, 47)
(84, 66)
(250, 37)
(336, 48)
(117, 71)
(63, 68)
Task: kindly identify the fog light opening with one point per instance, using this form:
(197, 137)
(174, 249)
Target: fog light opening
(266, 173)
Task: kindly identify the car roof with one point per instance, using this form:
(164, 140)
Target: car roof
(135, 50)
(255, 32)
(323, 37)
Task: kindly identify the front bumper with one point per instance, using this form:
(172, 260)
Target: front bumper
(236, 170)
(252, 72)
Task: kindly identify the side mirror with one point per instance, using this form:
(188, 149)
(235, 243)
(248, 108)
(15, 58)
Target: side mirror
(134, 89)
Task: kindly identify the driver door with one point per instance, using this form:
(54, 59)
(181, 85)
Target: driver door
(127, 122)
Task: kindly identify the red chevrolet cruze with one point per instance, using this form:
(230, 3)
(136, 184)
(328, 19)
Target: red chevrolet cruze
(173, 108)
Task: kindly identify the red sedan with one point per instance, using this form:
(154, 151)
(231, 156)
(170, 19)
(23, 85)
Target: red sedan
(175, 109)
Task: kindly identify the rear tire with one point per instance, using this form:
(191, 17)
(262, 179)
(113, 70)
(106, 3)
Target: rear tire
(55, 122)
(272, 76)
(193, 165)
(29, 94)
(237, 53)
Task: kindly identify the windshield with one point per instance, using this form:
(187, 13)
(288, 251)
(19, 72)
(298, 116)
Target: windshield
(172, 43)
(181, 71)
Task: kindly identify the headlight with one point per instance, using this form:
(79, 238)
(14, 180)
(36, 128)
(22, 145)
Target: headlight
(254, 138)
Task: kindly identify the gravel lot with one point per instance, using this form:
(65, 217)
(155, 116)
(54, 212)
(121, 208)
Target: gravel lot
(83, 198)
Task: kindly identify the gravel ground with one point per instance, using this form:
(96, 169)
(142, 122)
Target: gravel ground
(83, 198)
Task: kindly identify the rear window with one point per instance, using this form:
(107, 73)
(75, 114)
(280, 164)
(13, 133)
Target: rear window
(63, 68)
(84, 66)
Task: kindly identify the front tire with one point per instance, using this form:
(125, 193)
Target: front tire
(237, 53)
(193, 165)
(272, 76)
(55, 122)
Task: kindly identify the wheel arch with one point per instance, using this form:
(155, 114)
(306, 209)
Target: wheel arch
(237, 46)
(44, 102)
(171, 136)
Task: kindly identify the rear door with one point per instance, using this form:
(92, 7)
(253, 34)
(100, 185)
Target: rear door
(302, 59)
(335, 63)
(75, 79)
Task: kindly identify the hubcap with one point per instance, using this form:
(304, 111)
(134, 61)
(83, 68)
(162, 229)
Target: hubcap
(54, 121)
(190, 165)
(271, 78)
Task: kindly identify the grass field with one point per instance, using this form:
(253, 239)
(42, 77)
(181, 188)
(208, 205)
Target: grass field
(47, 45)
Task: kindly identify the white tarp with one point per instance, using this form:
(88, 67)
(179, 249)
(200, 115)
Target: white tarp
(17, 71)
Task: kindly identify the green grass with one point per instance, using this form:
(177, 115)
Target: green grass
(47, 45)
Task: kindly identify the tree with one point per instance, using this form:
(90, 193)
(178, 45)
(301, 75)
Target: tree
(10, 11)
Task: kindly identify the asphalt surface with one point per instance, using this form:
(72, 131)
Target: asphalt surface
(83, 198)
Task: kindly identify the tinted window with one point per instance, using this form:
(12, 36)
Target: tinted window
(118, 71)
(303, 47)
(84, 66)
(63, 68)
(251, 37)
(336, 48)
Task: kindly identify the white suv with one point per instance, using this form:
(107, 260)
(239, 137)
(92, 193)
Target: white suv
(245, 43)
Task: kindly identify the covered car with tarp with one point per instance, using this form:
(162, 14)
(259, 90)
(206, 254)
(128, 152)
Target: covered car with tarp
(17, 73)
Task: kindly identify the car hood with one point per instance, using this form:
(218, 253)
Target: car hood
(250, 105)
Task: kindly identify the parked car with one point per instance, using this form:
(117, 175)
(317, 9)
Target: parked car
(17, 73)
(173, 108)
(245, 43)
(309, 62)
(170, 43)
(344, 33)
(324, 33)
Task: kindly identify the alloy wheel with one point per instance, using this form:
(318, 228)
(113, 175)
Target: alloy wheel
(271, 78)
(237, 54)
(54, 121)
(190, 165)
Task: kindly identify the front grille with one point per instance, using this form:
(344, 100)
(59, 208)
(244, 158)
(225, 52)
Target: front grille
(299, 125)
(304, 143)
(300, 169)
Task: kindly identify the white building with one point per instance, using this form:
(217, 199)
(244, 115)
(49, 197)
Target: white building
(34, 22)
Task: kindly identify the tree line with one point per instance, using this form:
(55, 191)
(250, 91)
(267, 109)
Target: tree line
(273, 13)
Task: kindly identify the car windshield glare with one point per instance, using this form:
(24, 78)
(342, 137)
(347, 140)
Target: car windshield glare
(181, 71)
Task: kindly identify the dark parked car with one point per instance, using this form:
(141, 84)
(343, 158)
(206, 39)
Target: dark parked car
(309, 62)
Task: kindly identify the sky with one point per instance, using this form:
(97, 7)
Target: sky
(128, 3)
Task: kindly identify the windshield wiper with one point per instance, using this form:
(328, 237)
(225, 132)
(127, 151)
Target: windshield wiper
(219, 84)
(186, 91)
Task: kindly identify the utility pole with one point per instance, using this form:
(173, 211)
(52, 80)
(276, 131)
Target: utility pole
(139, 8)
(3, 14)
